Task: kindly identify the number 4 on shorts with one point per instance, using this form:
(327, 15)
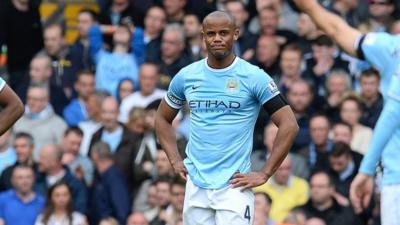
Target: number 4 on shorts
(247, 213)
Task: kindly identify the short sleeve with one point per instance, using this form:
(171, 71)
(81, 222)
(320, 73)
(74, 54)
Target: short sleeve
(376, 48)
(264, 87)
(175, 96)
(2, 84)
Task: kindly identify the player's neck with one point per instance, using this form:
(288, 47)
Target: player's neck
(220, 63)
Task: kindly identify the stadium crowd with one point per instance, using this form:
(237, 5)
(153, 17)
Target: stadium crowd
(85, 151)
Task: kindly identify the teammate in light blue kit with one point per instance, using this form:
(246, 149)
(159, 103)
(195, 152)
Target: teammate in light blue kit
(224, 94)
(12, 107)
(383, 52)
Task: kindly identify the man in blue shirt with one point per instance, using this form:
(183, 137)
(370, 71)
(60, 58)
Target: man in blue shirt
(21, 205)
(224, 94)
(382, 50)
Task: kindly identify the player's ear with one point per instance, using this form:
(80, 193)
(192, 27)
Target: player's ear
(236, 34)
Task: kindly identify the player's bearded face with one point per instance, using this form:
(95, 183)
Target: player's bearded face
(219, 38)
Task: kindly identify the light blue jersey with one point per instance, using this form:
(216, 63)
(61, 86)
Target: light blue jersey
(2, 84)
(224, 105)
(382, 50)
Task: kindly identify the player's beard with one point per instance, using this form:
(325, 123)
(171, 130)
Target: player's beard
(220, 55)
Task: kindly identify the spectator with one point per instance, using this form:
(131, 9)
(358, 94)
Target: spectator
(23, 145)
(371, 96)
(89, 127)
(120, 63)
(136, 122)
(267, 55)
(172, 57)
(162, 168)
(154, 23)
(108, 221)
(21, 205)
(192, 26)
(173, 213)
(350, 112)
(322, 204)
(300, 98)
(40, 73)
(86, 19)
(337, 84)
(137, 218)
(7, 154)
(52, 171)
(151, 208)
(347, 10)
(262, 208)
(322, 63)
(246, 41)
(58, 209)
(318, 150)
(23, 37)
(299, 165)
(287, 16)
(110, 195)
(125, 88)
(76, 111)
(296, 216)
(119, 11)
(342, 132)
(269, 21)
(307, 31)
(121, 141)
(315, 221)
(286, 191)
(148, 78)
(175, 10)
(290, 67)
(79, 165)
(163, 185)
(39, 119)
(65, 65)
(343, 167)
(381, 13)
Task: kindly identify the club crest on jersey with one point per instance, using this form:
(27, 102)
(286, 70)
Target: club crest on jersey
(232, 86)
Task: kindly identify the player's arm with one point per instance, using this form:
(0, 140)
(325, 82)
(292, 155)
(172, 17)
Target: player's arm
(283, 117)
(334, 26)
(12, 108)
(166, 136)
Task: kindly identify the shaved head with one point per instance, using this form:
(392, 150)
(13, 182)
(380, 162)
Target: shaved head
(219, 15)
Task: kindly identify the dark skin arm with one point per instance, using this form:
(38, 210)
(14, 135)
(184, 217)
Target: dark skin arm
(12, 109)
(166, 135)
(286, 122)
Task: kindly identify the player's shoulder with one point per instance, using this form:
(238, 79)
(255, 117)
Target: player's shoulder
(191, 69)
(381, 38)
(250, 71)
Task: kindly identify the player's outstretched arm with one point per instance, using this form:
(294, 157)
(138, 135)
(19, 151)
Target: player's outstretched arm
(166, 136)
(334, 26)
(12, 109)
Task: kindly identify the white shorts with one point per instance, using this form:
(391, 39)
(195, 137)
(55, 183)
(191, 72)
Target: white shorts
(390, 207)
(225, 206)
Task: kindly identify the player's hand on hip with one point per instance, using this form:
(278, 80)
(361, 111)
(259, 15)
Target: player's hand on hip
(361, 190)
(179, 168)
(248, 180)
